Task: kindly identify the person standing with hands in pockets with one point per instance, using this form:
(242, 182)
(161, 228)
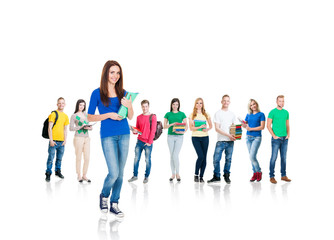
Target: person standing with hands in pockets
(57, 136)
(279, 127)
(115, 133)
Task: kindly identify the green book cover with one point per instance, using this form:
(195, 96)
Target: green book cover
(199, 123)
(123, 111)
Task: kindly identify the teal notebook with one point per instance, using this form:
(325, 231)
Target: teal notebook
(199, 123)
(123, 111)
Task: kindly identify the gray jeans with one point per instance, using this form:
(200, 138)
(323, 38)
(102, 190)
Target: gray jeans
(174, 144)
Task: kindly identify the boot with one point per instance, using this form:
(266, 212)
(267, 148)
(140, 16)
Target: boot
(47, 178)
(227, 178)
(254, 177)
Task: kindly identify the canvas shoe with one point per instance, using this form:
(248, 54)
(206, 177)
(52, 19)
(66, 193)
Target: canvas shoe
(103, 204)
(115, 210)
(134, 178)
(145, 180)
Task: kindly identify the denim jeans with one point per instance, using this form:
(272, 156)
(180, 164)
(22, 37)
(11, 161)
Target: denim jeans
(140, 146)
(253, 144)
(60, 149)
(115, 149)
(175, 144)
(280, 144)
(201, 145)
(220, 147)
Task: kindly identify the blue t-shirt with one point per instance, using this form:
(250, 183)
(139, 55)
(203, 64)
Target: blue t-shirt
(109, 127)
(254, 120)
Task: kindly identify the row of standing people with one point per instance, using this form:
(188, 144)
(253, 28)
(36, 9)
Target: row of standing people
(115, 135)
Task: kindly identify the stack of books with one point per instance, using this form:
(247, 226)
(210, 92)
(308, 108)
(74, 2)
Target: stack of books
(236, 130)
(199, 123)
(179, 128)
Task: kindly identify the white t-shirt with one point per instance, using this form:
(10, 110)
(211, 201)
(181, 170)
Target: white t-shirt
(225, 119)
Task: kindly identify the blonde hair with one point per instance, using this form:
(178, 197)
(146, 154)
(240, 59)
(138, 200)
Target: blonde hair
(194, 114)
(279, 96)
(250, 111)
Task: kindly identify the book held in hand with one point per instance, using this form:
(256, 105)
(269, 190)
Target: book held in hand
(123, 111)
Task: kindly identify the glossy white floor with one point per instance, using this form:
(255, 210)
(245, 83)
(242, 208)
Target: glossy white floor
(160, 209)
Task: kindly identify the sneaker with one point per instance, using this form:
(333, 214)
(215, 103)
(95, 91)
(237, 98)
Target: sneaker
(58, 174)
(196, 178)
(115, 210)
(201, 180)
(285, 178)
(103, 204)
(227, 178)
(145, 180)
(254, 177)
(259, 176)
(134, 178)
(48, 177)
(214, 179)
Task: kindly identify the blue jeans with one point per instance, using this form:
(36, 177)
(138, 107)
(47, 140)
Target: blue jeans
(52, 152)
(201, 145)
(253, 144)
(220, 147)
(140, 146)
(115, 149)
(280, 144)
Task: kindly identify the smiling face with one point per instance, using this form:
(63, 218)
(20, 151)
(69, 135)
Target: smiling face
(175, 106)
(61, 104)
(145, 107)
(81, 106)
(199, 105)
(280, 102)
(114, 74)
(253, 107)
(225, 102)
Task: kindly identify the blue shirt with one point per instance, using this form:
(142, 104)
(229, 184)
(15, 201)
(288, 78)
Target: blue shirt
(254, 120)
(109, 127)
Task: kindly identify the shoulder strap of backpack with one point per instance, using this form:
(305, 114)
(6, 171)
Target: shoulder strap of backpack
(56, 118)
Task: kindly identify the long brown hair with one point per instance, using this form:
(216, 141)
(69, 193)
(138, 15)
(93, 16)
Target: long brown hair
(195, 109)
(173, 101)
(104, 83)
(77, 105)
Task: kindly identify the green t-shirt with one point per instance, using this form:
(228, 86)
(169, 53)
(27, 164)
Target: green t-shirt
(279, 118)
(172, 118)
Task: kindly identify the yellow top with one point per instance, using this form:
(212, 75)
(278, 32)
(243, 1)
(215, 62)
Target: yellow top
(197, 133)
(58, 130)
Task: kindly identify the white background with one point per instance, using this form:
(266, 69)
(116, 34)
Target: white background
(184, 49)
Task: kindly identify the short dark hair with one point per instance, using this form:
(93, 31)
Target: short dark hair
(61, 98)
(226, 96)
(145, 101)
